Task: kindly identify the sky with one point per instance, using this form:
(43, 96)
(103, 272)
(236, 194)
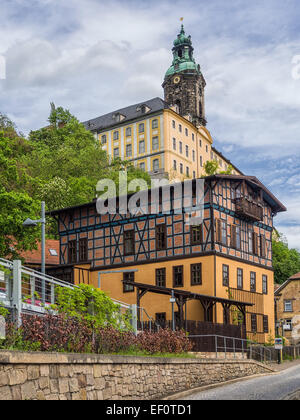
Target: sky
(94, 56)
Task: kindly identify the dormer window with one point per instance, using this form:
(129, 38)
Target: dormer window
(143, 109)
(118, 117)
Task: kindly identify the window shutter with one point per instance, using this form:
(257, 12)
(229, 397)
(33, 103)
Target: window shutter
(255, 243)
(262, 246)
(218, 230)
(233, 236)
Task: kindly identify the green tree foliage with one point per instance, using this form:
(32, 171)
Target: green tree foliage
(286, 261)
(212, 167)
(89, 304)
(16, 202)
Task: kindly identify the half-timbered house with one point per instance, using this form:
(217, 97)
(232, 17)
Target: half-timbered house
(219, 270)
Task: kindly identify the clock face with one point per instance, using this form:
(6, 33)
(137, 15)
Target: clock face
(176, 80)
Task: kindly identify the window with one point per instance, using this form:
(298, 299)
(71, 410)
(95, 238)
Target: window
(252, 281)
(265, 323)
(255, 243)
(206, 148)
(141, 128)
(116, 135)
(181, 168)
(128, 131)
(225, 271)
(253, 323)
(193, 154)
(143, 109)
(178, 276)
(235, 239)
(174, 143)
(180, 147)
(155, 143)
(160, 237)
(180, 128)
(129, 242)
(142, 146)
(186, 132)
(142, 166)
(116, 152)
(53, 252)
(196, 234)
(83, 249)
(103, 139)
(187, 151)
(160, 319)
(200, 143)
(160, 277)
(173, 124)
(250, 241)
(240, 275)
(155, 123)
(155, 165)
(201, 161)
(129, 276)
(196, 274)
(72, 252)
(174, 165)
(193, 136)
(128, 150)
(194, 174)
(187, 171)
(265, 284)
(288, 305)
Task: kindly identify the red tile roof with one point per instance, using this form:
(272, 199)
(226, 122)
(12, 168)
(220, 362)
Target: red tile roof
(34, 256)
(295, 276)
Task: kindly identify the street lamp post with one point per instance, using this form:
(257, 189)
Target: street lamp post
(29, 223)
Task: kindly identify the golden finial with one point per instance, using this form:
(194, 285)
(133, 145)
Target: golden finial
(181, 19)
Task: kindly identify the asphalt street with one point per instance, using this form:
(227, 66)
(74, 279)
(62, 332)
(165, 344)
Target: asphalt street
(270, 387)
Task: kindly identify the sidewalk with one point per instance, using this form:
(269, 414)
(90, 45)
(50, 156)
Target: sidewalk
(285, 364)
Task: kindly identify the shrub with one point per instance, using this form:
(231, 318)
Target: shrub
(164, 341)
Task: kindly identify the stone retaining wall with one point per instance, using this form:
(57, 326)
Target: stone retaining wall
(60, 376)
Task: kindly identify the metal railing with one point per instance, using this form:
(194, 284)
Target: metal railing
(231, 345)
(23, 290)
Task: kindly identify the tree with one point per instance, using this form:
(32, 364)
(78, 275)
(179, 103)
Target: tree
(286, 261)
(212, 167)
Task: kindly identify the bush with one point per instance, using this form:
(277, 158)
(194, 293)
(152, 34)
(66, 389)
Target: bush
(164, 341)
(69, 334)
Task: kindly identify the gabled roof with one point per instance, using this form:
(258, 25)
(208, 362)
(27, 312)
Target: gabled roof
(270, 198)
(289, 280)
(130, 112)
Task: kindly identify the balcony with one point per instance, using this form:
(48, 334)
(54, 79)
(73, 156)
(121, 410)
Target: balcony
(249, 210)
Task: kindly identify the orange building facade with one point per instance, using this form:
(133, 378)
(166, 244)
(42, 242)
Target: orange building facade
(224, 260)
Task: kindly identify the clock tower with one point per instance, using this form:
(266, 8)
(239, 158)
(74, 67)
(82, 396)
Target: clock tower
(184, 83)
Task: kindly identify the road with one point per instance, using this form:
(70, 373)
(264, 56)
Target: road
(270, 387)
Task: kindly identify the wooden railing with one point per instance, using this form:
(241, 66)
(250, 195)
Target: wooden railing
(249, 209)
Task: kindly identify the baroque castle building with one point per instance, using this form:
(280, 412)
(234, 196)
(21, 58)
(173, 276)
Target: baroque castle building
(165, 137)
